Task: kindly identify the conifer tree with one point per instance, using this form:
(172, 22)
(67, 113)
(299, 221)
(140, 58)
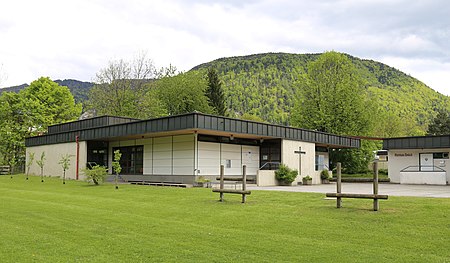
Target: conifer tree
(214, 92)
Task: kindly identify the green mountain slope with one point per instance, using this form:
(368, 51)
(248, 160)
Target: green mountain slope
(79, 89)
(266, 85)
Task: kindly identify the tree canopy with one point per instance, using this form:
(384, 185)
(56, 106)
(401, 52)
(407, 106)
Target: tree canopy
(30, 112)
(331, 98)
(182, 93)
(120, 89)
(440, 125)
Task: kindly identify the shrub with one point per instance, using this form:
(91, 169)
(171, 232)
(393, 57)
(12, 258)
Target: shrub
(307, 178)
(383, 171)
(97, 174)
(285, 174)
(324, 174)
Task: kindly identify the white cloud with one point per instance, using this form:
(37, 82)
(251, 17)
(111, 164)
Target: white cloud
(74, 39)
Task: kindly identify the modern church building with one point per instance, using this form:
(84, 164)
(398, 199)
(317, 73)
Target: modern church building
(179, 149)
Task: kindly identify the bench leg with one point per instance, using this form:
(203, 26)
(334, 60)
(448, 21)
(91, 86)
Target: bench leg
(221, 197)
(338, 202)
(375, 204)
(243, 198)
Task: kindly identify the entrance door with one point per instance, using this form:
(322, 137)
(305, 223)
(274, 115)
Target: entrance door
(426, 162)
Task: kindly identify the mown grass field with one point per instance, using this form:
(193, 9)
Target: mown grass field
(77, 222)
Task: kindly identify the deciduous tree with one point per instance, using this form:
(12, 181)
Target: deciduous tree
(183, 93)
(120, 89)
(332, 99)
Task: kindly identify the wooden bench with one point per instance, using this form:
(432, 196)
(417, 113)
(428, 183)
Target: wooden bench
(364, 196)
(242, 191)
(159, 184)
(4, 170)
(375, 196)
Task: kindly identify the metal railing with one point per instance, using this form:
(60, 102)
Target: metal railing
(422, 168)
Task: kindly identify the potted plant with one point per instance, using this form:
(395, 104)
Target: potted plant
(285, 175)
(202, 182)
(325, 176)
(307, 180)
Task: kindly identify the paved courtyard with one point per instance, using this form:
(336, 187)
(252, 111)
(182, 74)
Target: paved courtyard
(389, 189)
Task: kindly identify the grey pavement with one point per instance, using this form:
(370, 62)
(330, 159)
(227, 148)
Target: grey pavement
(440, 191)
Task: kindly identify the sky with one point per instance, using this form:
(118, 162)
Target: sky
(76, 39)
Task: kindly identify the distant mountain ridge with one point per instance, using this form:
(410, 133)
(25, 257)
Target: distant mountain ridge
(79, 89)
(266, 85)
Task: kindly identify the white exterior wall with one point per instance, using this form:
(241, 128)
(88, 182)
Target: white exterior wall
(53, 153)
(183, 154)
(400, 159)
(211, 155)
(291, 159)
(170, 155)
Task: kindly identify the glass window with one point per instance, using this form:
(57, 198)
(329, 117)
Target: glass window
(132, 159)
(440, 155)
(320, 162)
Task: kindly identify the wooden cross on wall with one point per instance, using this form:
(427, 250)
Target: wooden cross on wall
(299, 152)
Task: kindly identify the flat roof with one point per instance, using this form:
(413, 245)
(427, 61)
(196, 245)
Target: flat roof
(417, 142)
(185, 123)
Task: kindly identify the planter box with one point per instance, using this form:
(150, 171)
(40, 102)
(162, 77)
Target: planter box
(325, 181)
(307, 182)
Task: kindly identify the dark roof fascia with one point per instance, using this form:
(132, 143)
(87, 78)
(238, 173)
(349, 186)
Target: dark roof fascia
(191, 121)
(66, 124)
(354, 142)
(417, 142)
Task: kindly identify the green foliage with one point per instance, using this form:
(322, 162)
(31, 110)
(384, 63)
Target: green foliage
(30, 112)
(120, 90)
(440, 125)
(182, 93)
(30, 162)
(266, 85)
(41, 164)
(65, 164)
(307, 178)
(96, 174)
(79, 89)
(355, 160)
(251, 117)
(285, 174)
(330, 98)
(214, 92)
(116, 163)
(116, 166)
(324, 174)
(57, 104)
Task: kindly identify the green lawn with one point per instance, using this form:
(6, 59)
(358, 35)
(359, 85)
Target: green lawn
(51, 222)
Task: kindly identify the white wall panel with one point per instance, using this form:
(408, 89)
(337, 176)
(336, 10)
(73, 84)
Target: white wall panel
(208, 158)
(183, 154)
(231, 152)
(250, 157)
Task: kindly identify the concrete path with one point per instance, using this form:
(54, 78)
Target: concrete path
(366, 188)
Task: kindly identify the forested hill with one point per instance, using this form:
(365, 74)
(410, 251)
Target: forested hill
(79, 89)
(266, 84)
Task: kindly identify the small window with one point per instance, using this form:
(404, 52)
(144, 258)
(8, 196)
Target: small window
(320, 159)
